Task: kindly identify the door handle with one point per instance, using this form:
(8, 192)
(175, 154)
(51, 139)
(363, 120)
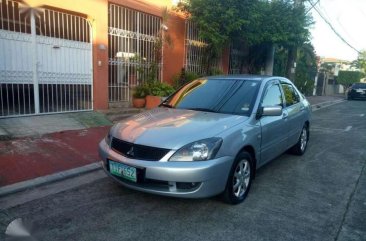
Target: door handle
(302, 108)
(284, 116)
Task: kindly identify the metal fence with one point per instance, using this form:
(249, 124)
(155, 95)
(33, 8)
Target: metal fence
(46, 61)
(196, 51)
(132, 37)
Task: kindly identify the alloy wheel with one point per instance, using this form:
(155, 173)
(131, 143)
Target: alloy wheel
(303, 139)
(241, 178)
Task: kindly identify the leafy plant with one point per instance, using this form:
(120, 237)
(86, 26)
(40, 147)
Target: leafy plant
(157, 88)
(141, 91)
(183, 78)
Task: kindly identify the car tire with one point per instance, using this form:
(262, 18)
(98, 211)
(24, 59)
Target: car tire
(300, 147)
(240, 179)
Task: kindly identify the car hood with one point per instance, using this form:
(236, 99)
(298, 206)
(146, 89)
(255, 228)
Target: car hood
(173, 128)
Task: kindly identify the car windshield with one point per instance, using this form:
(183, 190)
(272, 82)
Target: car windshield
(359, 85)
(216, 95)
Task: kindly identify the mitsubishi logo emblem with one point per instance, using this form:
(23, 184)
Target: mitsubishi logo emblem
(130, 152)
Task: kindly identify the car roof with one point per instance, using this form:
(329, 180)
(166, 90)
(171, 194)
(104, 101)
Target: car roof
(259, 78)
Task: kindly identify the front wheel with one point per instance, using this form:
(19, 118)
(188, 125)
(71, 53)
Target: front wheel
(300, 147)
(240, 179)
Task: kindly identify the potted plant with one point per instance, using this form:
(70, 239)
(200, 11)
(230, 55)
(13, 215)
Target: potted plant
(140, 92)
(157, 90)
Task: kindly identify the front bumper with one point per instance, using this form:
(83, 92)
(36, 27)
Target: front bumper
(357, 95)
(177, 179)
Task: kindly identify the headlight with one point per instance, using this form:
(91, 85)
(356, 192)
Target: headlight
(108, 138)
(198, 151)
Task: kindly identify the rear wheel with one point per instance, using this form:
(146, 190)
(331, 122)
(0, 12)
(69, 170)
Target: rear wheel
(300, 147)
(240, 179)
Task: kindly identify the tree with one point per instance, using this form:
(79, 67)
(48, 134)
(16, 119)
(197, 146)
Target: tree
(255, 22)
(306, 69)
(360, 63)
(346, 78)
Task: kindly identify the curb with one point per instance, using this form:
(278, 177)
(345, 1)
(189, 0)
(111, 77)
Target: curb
(325, 104)
(21, 186)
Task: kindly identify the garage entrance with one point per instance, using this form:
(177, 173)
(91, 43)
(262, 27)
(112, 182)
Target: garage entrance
(46, 61)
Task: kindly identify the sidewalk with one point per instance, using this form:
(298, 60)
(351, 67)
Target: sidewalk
(31, 157)
(65, 152)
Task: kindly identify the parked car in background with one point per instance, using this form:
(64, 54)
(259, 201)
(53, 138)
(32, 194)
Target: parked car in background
(356, 91)
(209, 137)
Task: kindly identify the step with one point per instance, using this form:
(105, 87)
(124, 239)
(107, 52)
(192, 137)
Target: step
(113, 111)
(117, 114)
(117, 117)
(123, 104)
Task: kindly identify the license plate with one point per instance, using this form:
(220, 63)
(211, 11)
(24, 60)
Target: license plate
(122, 170)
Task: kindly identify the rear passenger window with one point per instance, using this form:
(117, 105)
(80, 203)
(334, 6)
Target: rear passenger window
(291, 95)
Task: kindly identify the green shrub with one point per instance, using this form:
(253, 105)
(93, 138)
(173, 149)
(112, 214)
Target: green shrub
(157, 88)
(216, 71)
(183, 78)
(141, 91)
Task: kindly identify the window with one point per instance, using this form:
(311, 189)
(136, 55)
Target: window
(216, 95)
(291, 95)
(273, 96)
(359, 85)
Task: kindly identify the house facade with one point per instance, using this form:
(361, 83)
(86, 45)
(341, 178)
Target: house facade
(64, 55)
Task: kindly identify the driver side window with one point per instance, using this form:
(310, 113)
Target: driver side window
(273, 96)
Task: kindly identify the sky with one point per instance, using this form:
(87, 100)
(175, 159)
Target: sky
(348, 17)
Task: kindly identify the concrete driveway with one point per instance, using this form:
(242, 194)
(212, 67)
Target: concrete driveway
(319, 196)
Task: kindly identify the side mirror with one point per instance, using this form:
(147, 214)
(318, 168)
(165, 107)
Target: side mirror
(269, 111)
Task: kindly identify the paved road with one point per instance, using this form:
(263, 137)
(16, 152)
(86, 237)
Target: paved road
(319, 196)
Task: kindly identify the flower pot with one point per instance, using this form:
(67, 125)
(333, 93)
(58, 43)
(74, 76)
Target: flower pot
(152, 101)
(138, 102)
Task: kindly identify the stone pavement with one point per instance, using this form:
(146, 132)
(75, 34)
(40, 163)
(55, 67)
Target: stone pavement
(37, 126)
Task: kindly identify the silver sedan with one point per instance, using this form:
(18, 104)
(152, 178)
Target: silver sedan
(209, 137)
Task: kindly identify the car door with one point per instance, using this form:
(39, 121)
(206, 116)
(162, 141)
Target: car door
(274, 128)
(295, 110)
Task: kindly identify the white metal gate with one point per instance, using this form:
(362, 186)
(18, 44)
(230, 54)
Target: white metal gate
(195, 50)
(46, 61)
(132, 36)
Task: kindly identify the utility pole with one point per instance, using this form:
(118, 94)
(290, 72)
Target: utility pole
(292, 53)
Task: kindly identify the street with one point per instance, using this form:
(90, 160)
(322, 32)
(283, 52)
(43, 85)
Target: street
(319, 196)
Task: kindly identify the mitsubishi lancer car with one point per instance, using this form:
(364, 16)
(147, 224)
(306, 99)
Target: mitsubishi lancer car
(209, 137)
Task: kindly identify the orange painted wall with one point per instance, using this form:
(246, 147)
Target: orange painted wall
(173, 61)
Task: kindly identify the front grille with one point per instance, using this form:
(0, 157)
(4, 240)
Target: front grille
(134, 151)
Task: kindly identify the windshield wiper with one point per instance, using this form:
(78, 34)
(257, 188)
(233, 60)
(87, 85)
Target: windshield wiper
(201, 109)
(166, 105)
